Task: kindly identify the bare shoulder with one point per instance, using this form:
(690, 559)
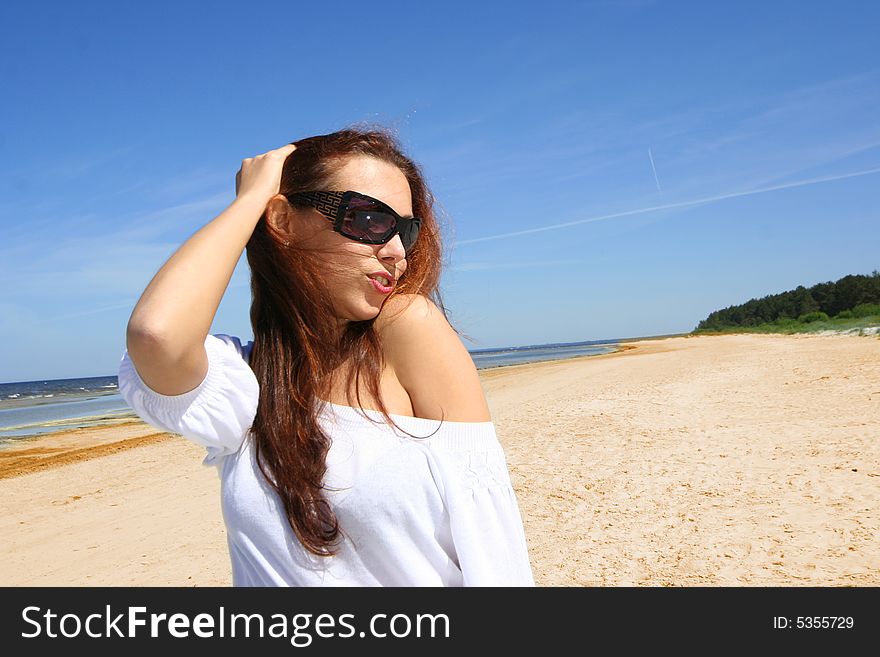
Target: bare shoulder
(430, 360)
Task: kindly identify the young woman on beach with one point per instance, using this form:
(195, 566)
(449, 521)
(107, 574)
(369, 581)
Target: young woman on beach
(352, 436)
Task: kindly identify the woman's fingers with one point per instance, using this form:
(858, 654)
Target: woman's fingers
(262, 174)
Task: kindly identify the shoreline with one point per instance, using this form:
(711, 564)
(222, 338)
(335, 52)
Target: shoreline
(26, 454)
(732, 460)
(49, 441)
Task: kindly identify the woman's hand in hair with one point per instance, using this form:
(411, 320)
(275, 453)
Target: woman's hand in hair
(260, 176)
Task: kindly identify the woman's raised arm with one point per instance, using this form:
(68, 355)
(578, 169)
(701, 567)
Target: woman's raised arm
(168, 326)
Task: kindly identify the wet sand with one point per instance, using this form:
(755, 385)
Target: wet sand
(737, 460)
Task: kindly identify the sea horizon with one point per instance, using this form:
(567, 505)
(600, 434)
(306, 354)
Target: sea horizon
(32, 408)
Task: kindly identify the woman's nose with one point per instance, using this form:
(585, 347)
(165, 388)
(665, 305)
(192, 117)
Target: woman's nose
(393, 250)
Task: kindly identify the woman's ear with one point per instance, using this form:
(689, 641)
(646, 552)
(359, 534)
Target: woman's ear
(279, 215)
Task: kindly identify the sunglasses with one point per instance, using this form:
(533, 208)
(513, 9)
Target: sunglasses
(360, 217)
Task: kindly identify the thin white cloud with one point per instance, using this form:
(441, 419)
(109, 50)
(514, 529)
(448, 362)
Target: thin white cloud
(70, 166)
(483, 266)
(95, 311)
(193, 183)
(183, 215)
(681, 204)
(654, 169)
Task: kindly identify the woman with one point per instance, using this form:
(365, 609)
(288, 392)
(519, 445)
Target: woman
(352, 437)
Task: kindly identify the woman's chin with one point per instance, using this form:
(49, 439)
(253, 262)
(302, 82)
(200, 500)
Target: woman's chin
(364, 311)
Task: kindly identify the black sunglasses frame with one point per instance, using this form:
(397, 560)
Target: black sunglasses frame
(334, 204)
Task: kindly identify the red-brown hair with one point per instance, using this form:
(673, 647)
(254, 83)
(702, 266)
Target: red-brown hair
(296, 335)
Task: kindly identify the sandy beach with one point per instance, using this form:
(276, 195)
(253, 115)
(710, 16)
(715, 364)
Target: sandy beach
(737, 460)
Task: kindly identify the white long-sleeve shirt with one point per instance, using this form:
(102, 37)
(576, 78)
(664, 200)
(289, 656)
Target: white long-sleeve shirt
(436, 511)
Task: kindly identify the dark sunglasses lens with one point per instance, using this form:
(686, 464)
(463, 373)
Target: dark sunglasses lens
(363, 220)
(367, 224)
(370, 225)
(409, 234)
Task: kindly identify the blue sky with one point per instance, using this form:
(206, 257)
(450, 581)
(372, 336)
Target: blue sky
(123, 126)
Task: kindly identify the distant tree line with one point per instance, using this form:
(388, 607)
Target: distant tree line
(849, 295)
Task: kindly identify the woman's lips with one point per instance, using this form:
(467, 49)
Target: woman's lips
(382, 289)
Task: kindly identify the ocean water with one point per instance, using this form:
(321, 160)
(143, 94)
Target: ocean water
(499, 357)
(31, 408)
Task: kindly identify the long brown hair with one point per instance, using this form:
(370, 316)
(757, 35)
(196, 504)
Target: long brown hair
(297, 342)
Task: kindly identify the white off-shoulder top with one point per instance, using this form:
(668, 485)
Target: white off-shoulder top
(435, 511)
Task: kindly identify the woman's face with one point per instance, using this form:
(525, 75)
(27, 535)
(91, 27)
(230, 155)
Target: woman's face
(350, 264)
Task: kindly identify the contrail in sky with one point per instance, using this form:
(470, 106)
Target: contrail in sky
(682, 204)
(654, 169)
(94, 311)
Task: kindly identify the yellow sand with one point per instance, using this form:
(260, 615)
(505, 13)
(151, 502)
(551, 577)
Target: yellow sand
(742, 460)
